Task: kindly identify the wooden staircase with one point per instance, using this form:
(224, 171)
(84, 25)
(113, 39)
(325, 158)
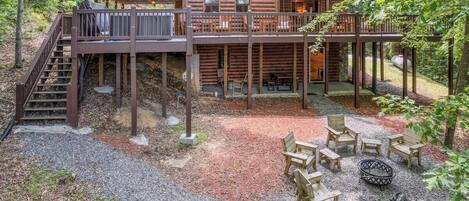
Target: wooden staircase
(48, 99)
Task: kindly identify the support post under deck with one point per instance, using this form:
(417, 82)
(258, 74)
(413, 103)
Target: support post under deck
(374, 52)
(450, 67)
(133, 70)
(164, 83)
(381, 60)
(249, 99)
(404, 73)
(414, 70)
(118, 80)
(189, 51)
(305, 72)
(326, 69)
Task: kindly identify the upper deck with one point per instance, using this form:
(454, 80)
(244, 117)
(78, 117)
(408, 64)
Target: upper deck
(151, 30)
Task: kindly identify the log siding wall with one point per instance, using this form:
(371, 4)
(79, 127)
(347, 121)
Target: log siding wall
(278, 59)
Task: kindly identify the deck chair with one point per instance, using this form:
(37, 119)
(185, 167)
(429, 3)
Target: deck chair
(300, 154)
(340, 134)
(310, 187)
(406, 145)
(238, 85)
(283, 24)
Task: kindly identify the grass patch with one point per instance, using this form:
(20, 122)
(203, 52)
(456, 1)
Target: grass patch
(43, 180)
(181, 146)
(201, 137)
(175, 130)
(425, 85)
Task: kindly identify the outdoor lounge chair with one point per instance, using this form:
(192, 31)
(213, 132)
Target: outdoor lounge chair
(310, 187)
(339, 133)
(238, 85)
(406, 145)
(297, 153)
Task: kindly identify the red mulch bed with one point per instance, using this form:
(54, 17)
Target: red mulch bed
(261, 106)
(367, 105)
(243, 161)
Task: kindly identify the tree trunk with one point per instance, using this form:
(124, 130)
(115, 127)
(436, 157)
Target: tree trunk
(449, 137)
(19, 42)
(461, 81)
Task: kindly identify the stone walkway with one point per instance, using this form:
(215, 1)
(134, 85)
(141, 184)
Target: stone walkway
(326, 106)
(118, 175)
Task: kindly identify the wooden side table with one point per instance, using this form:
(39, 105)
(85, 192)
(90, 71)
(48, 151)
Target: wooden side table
(371, 144)
(330, 157)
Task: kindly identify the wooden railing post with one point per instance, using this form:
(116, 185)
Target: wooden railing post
(72, 88)
(19, 101)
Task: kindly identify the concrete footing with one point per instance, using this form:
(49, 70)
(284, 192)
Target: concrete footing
(192, 139)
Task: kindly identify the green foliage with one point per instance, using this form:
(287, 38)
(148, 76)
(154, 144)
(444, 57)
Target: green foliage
(37, 12)
(46, 180)
(452, 176)
(201, 137)
(429, 121)
(175, 130)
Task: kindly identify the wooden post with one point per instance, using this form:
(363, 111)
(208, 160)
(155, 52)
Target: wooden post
(381, 60)
(363, 64)
(326, 69)
(374, 55)
(133, 69)
(107, 3)
(72, 88)
(261, 66)
(357, 50)
(294, 68)
(404, 73)
(164, 83)
(125, 63)
(249, 99)
(101, 70)
(414, 70)
(225, 71)
(305, 72)
(189, 51)
(450, 67)
(118, 80)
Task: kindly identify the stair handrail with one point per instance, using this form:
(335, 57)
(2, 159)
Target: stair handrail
(25, 86)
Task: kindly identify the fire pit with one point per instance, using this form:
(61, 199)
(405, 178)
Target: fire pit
(376, 172)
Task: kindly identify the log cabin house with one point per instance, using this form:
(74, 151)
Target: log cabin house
(242, 48)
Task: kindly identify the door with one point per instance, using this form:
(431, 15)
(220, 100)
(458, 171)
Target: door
(316, 66)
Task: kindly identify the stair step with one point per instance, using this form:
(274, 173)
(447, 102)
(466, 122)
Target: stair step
(50, 92)
(53, 85)
(57, 70)
(56, 77)
(37, 109)
(47, 100)
(64, 63)
(60, 117)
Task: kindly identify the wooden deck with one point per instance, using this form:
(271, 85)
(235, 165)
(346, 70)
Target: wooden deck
(109, 31)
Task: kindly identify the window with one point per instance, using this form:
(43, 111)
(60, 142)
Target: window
(242, 5)
(211, 5)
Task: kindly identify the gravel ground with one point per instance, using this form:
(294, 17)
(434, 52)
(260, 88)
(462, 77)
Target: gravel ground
(408, 181)
(326, 106)
(120, 176)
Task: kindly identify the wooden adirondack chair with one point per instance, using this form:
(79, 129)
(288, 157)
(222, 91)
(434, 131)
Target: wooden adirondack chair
(238, 85)
(340, 133)
(406, 145)
(297, 153)
(309, 187)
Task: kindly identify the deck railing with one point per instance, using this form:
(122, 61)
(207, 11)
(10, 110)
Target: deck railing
(154, 24)
(25, 86)
(108, 24)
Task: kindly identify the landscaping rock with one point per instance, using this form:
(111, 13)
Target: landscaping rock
(140, 139)
(104, 90)
(178, 163)
(172, 121)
